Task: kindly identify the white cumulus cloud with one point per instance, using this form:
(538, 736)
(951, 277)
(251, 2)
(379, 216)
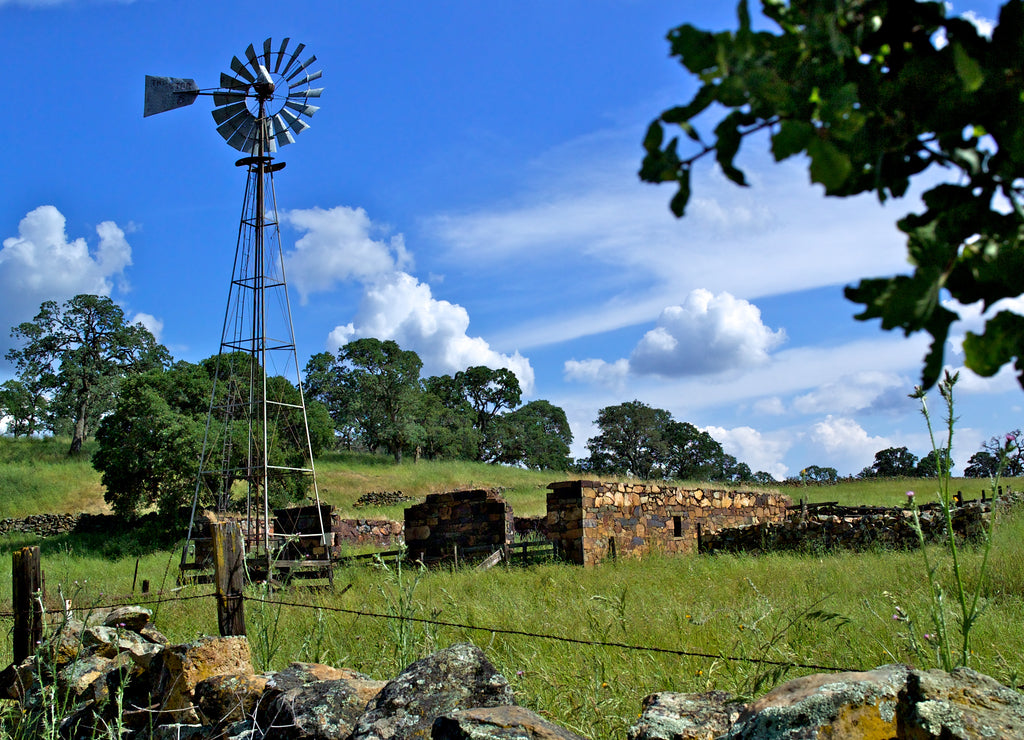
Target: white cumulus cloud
(868, 389)
(399, 307)
(41, 264)
(151, 322)
(598, 372)
(340, 244)
(843, 444)
(706, 334)
(761, 451)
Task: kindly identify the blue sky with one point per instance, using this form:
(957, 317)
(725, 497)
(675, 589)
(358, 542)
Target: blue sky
(468, 188)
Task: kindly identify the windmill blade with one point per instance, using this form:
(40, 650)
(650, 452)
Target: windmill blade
(295, 55)
(295, 123)
(242, 122)
(315, 92)
(227, 98)
(269, 138)
(281, 132)
(168, 93)
(280, 54)
(266, 53)
(222, 115)
(240, 69)
(243, 135)
(300, 68)
(230, 83)
(250, 54)
(306, 110)
(307, 79)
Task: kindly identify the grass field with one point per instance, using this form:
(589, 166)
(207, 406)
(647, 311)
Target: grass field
(798, 610)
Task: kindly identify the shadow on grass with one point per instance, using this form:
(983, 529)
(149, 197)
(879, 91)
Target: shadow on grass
(360, 459)
(120, 539)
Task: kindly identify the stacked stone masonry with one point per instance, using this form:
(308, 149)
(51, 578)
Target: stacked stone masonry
(459, 523)
(591, 521)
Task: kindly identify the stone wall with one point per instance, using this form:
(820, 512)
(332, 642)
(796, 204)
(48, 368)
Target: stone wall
(589, 521)
(464, 521)
(378, 532)
(824, 528)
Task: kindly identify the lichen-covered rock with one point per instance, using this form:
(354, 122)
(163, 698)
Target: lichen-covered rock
(498, 723)
(179, 731)
(300, 674)
(228, 698)
(321, 710)
(672, 716)
(178, 669)
(134, 618)
(841, 706)
(962, 705)
(311, 700)
(459, 677)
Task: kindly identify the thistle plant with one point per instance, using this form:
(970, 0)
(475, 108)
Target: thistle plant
(967, 601)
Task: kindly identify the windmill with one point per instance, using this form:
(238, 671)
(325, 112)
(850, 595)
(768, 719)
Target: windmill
(257, 449)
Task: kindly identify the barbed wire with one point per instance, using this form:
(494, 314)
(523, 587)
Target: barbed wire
(479, 628)
(557, 638)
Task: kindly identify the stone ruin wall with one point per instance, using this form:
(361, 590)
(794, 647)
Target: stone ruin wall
(590, 521)
(463, 522)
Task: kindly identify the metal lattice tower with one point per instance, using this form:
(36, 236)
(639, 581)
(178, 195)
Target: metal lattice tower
(257, 447)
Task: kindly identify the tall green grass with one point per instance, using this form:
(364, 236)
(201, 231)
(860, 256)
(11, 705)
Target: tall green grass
(37, 476)
(834, 611)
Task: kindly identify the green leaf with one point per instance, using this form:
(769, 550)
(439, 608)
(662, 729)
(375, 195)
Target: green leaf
(682, 196)
(655, 135)
(791, 138)
(696, 49)
(728, 144)
(967, 69)
(661, 166)
(1002, 341)
(829, 165)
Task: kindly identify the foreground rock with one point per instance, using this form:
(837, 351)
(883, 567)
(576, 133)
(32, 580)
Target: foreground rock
(114, 675)
(889, 703)
(459, 677)
(498, 723)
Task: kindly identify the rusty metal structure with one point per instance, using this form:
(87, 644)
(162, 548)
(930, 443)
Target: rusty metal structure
(257, 450)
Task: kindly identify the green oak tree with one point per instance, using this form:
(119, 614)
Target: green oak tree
(934, 464)
(383, 388)
(631, 440)
(489, 392)
(875, 94)
(819, 474)
(692, 454)
(536, 435)
(149, 446)
(894, 462)
(77, 353)
(22, 407)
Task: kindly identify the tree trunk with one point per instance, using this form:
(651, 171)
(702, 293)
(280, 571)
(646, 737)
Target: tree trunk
(78, 437)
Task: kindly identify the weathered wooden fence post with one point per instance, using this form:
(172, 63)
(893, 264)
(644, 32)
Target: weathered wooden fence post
(229, 574)
(26, 582)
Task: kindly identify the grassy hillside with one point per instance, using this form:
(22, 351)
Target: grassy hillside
(36, 476)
